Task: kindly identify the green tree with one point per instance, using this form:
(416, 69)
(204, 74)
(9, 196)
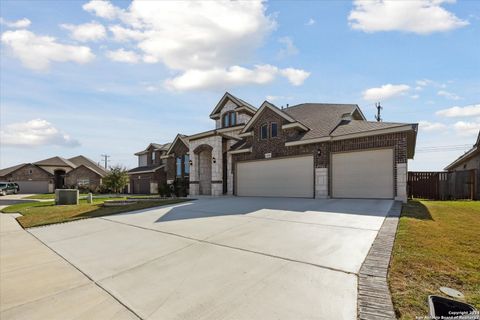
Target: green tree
(116, 179)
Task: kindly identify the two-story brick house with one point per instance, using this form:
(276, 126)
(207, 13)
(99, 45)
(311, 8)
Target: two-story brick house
(160, 164)
(308, 150)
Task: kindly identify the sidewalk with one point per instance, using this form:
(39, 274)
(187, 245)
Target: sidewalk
(36, 283)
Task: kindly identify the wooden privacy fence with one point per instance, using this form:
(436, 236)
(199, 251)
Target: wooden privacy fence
(444, 185)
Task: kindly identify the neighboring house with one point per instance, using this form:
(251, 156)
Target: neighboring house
(311, 150)
(47, 175)
(469, 160)
(150, 172)
(160, 164)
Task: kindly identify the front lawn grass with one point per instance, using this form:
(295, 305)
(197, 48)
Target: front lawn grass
(437, 244)
(36, 214)
(48, 196)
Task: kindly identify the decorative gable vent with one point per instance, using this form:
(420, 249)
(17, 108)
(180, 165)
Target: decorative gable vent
(347, 117)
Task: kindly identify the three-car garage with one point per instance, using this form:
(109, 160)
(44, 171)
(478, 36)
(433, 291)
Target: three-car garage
(357, 174)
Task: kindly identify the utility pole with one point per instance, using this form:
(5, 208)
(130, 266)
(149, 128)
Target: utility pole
(105, 159)
(379, 110)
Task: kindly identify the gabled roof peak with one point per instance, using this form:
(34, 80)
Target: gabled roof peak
(228, 96)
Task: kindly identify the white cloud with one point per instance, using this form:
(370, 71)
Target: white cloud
(19, 24)
(295, 76)
(385, 92)
(233, 76)
(467, 111)
(448, 95)
(310, 22)
(103, 9)
(421, 16)
(92, 31)
(122, 55)
(35, 132)
(424, 82)
(38, 52)
(289, 48)
(192, 35)
(123, 34)
(415, 96)
(464, 128)
(199, 39)
(431, 126)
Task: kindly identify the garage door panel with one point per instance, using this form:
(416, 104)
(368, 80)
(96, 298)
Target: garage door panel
(286, 177)
(363, 174)
(33, 186)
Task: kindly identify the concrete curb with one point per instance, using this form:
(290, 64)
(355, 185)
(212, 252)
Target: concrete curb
(374, 299)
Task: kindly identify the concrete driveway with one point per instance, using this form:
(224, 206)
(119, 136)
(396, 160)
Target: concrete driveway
(228, 258)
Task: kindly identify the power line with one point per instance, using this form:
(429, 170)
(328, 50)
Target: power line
(457, 147)
(105, 159)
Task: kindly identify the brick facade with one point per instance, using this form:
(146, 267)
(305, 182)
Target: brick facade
(81, 173)
(153, 179)
(28, 172)
(321, 151)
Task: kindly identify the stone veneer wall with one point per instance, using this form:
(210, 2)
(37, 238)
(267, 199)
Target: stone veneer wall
(229, 106)
(217, 180)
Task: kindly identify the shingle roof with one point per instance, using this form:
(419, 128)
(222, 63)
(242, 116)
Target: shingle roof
(467, 155)
(242, 144)
(82, 160)
(156, 146)
(6, 171)
(320, 118)
(55, 161)
(357, 126)
(165, 146)
(230, 96)
(146, 169)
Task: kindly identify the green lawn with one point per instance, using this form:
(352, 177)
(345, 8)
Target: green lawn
(437, 244)
(46, 212)
(47, 196)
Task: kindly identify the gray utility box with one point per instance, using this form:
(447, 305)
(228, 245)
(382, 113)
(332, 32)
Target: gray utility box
(66, 196)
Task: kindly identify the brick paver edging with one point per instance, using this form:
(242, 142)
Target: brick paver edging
(374, 300)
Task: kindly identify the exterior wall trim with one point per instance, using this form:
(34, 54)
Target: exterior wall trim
(374, 132)
(240, 151)
(295, 125)
(264, 106)
(246, 134)
(309, 141)
(351, 136)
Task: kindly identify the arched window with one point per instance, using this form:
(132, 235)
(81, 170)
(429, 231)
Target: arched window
(229, 119)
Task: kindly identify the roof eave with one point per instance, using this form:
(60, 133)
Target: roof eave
(464, 157)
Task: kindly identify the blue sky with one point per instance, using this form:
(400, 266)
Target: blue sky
(80, 77)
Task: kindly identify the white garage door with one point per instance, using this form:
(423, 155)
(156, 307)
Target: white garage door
(286, 177)
(33, 186)
(363, 174)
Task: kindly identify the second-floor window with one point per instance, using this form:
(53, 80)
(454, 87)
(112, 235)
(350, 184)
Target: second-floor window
(273, 130)
(153, 156)
(264, 131)
(229, 119)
